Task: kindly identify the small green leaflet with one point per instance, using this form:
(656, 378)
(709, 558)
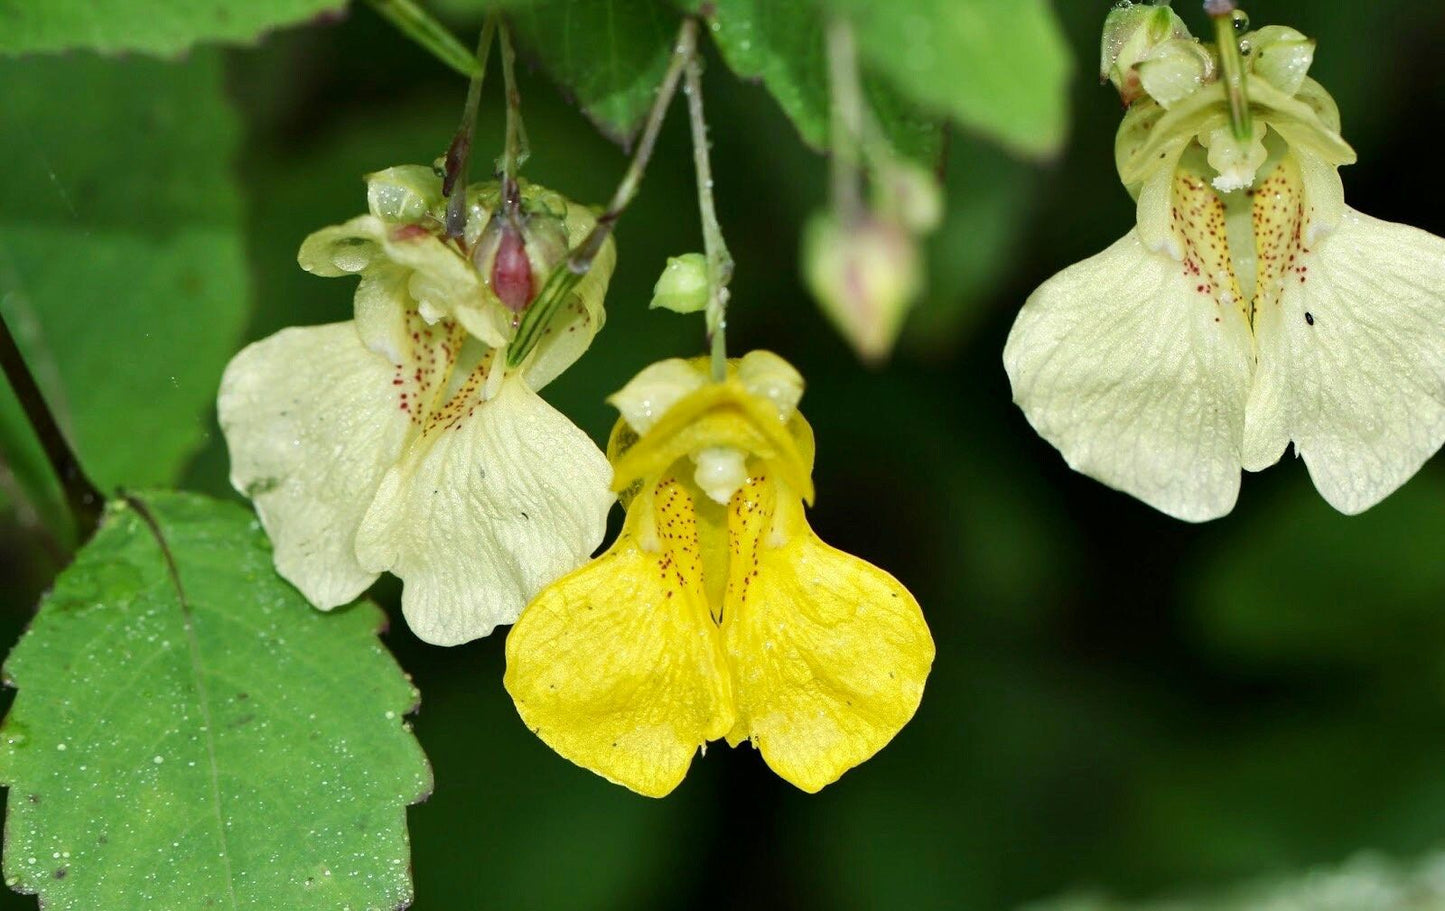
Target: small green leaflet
(190, 733)
(122, 265)
(164, 27)
(610, 54)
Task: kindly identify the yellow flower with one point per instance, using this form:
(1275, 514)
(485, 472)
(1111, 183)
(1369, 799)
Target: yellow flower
(718, 613)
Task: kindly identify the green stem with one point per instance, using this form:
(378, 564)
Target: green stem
(516, 151)
(846, 122)
(418, 25)
(459, 153)
(719, 261)
(1226, 16)
(81, 496)
(571, 270)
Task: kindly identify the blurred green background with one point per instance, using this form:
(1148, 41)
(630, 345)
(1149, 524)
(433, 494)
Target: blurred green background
(1121, 702)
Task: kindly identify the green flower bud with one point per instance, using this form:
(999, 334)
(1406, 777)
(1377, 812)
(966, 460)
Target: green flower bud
(865, 278)
(405, 193)
(1131, 33)
(908, 194)
(682, 287)
(1281, 56)
(1175, 70)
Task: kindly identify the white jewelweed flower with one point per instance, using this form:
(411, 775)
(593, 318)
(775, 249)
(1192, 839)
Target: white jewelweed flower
(1248, 309)
(399, 441)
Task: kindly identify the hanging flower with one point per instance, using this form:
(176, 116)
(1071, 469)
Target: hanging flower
(1248, 309)
(718, 613)
(399, 441)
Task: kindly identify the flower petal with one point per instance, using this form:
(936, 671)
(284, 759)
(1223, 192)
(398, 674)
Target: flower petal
(829, 653)
(485, 509)
(312, 423)
(574, 327)
(650, 394)
(1137, 370)
(619, 666)
(1352, 361)
(717, 414)
(410, 261)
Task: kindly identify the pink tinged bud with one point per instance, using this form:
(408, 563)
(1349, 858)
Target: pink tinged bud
(865, 277)
(512, 271)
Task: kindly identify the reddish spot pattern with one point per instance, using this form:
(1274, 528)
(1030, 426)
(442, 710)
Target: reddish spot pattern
(676, 518)
(1198, 220)
(749, 515)
(424, 383)
(1279, 220)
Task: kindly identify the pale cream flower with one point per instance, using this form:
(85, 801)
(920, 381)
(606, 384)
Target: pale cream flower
(400, 442)
(1248, 309)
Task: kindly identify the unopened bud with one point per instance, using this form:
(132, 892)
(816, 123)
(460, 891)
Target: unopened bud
(1175, 70)
(511, 277)
(682, 287)
(865, 277)
(910, 195)
(1131, 33)
(516, 253)
(406, 193)
(1281, 56)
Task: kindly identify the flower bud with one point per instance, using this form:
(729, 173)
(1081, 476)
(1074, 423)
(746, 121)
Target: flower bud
(864, 276)
(516, 252)
(1175, 69)
(682, 287)
(908, 194)
(1281, 56)
(406, 193)
(511, 277)
(1131, 33)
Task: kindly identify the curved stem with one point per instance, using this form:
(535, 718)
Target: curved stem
(719, 260)
(81, 496)
(569, 272)
(845, 121)
(459, 153)
(516, 151)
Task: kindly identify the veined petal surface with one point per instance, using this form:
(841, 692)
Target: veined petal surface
(1352, 361)
(495, 500)
(312, 422)
(619, 666)
(829, 654)
(1137, 369)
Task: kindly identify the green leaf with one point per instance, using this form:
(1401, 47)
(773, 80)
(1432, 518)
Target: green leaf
(165, 27)
(190, 733)
(122, 268)
(1000, 67)
(782, 44)
(610, 54)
